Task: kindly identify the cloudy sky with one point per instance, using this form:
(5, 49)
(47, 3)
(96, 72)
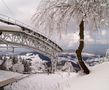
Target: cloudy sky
(22, 10)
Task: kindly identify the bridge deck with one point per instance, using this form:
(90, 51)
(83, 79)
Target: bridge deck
(7, 77)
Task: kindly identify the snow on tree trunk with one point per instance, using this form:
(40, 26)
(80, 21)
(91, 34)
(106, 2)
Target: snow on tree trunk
(80, 48)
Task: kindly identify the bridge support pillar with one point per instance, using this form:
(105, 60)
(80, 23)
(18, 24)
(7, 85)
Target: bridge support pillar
(53, 65)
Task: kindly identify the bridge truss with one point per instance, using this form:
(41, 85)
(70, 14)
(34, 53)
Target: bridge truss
(28, 38)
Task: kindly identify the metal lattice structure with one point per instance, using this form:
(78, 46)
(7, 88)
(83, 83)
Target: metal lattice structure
(24, 36)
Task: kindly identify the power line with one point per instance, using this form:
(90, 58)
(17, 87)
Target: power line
(7, 7)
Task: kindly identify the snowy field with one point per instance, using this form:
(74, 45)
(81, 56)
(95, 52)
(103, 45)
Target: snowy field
(98, 79)
(43, 82)
(4, 75)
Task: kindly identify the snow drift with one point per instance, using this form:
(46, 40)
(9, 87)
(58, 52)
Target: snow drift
(98, 79)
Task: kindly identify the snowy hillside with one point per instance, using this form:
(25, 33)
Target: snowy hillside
(72, 55)
(98, 79)
(37, 64)
(32, 54)
(29, 63)
(89, 58)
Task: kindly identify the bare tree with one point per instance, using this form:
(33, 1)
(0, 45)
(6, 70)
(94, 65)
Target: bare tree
(55, 15)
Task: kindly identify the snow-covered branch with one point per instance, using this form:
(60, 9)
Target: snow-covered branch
(55, 15)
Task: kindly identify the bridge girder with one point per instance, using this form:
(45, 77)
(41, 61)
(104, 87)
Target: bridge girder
(33, 42)
(26, 36)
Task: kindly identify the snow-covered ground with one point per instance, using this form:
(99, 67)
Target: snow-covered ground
(98, 79)
(43, 82)
(4, 75)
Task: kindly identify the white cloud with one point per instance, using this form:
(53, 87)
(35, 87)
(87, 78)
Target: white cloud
(69, 40)
(103, 32)
(88, 38)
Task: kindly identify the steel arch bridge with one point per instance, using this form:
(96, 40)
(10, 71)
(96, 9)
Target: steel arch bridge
(23, 35)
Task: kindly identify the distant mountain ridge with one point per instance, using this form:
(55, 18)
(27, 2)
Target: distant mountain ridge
(72, 55)
(35, 53)
(66, 54)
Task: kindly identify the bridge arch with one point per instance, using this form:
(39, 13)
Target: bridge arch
(20, 35)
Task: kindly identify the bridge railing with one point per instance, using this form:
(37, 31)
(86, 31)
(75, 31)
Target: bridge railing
(16, 22)
(13, 21)
(19, 23)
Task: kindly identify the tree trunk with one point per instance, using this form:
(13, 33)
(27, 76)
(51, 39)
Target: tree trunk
(80, 48)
